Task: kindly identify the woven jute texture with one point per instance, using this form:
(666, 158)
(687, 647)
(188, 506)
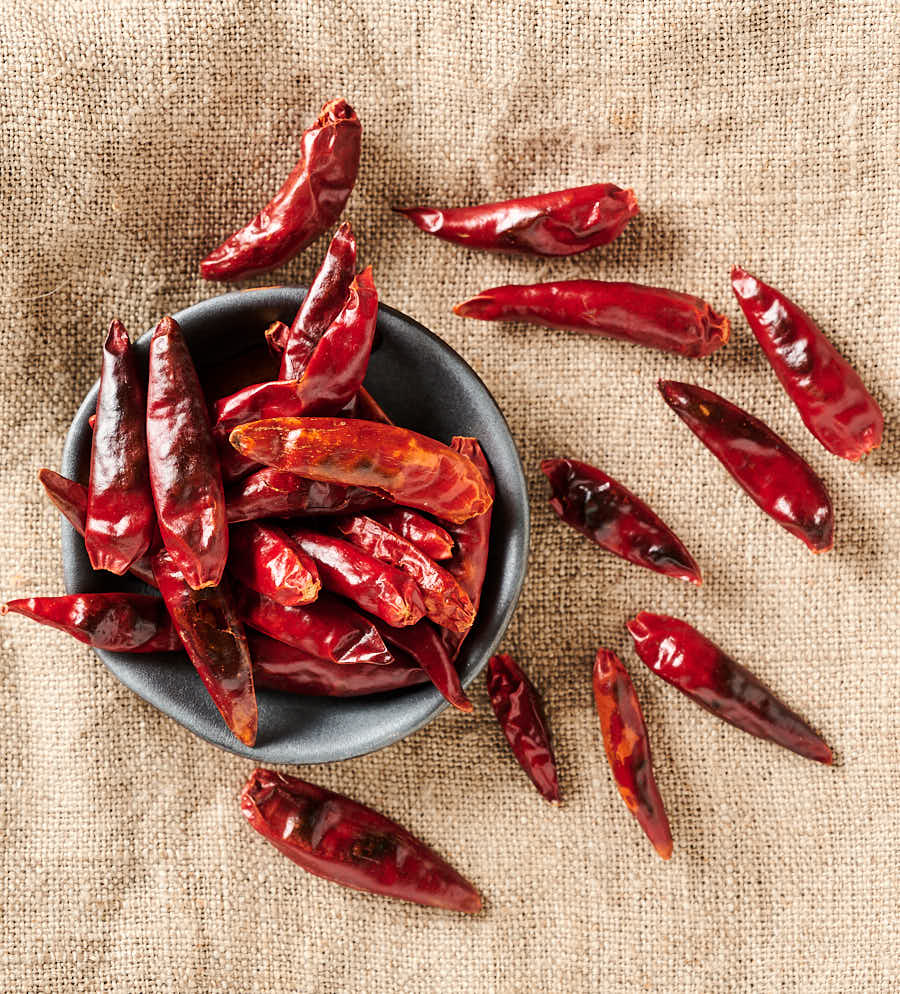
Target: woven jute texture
(135, 135)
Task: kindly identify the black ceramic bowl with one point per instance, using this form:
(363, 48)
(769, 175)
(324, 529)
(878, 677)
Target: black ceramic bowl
(422, 384)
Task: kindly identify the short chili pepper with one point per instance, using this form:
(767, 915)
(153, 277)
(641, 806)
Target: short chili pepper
(827, 390)
(520, 714)
(778, 479)
(425, 534)
(646, 315)
(602, 509)
(556, 224)
(697, 667)
(334, 837)
(310, 201)
(276, 338)
(628, 749)
(263, 558)
(121, 521)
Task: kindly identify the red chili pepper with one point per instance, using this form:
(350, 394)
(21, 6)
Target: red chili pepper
(276, 336)
(426, 535)
(184, 466)
(602, 509)
(647, 315)
(311, 200)
(829, 394)
(121, 521)
(561, 223)
(520, 713)
(702, 671)
(628, 749)
(778, 479)
(263, 558)
(333, 837)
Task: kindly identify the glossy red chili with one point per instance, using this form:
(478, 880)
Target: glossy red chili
(425, 534)
(263, 558)
(276, 336)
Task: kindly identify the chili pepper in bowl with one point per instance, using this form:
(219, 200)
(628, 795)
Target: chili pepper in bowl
(426, 535)
(265, 559)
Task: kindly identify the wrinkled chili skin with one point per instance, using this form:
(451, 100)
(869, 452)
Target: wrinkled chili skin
(602, 509)
(697, 667)
(341, 840)
(519, 712)
(628, 749)
(827, 391)
(310, 201)
(561, 223)
(263, 558)
(645, 315)
(778, 479)
(426, 535)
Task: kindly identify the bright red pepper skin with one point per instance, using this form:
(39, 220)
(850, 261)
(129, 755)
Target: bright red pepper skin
(263, 558)
(645, 315)
(628, 749)
(520, 714)
(561, 223)
(827, 390)
(778, 479)
(334, 837)
(602, 509)
(697, 667)
(310, 201)
(426, 535)
(121, 521)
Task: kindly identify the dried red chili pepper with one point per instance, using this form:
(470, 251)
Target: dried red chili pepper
(702, 671)
(121, 521)
(827, 390)
(310, 201)
(647, 315)
(426, 535)
(334, 837)
(561, 223)
(776, 477)
(602, 509)
(628, 749)
(263, 558)
(276, 338)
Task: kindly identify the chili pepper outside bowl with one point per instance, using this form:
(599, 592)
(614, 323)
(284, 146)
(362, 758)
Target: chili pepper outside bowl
(422, 384)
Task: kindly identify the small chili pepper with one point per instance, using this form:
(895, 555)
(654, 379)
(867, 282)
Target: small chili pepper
(702, 671)
(425, 534)
(311, 200)
(628, 749)
(602, 509)
(520, 714)
(776, 477)
(561, 223)
(184, 467)
(266, 560)
(121, 521)
(276, 336)
(333, 837)
(647, 315)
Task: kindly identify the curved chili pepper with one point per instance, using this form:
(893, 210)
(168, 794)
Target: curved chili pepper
(263, 558)
(426, 535)
(647, 315)
(702, 671)
(520, 714)
(602, 509)
(628, 749)
(827, 390)
(561, 223)
(778, 479)
(311, 200)
(333, 837)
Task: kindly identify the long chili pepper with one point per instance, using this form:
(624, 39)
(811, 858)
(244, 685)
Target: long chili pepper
(647, 315)
(702, 671)
(425, 534)
(121, 521)
(776, 477)
(602, 509)
(827, 390)
(520, 714)
(559, 223)
(628, 749)
(334, 837)
(310, 201)
(263, 558)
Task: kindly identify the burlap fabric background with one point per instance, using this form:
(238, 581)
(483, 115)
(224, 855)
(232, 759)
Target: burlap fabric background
(136, 135)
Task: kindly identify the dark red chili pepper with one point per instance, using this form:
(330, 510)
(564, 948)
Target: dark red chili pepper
(778, 479)
(827, 390)
(276, 338)
(426, 535)
(520, 713)
(628, 749)
(702, 671)
(602, 509)
(311, 200)
(647, 315)
(333, 837)
(561, 223)
(263, 558)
